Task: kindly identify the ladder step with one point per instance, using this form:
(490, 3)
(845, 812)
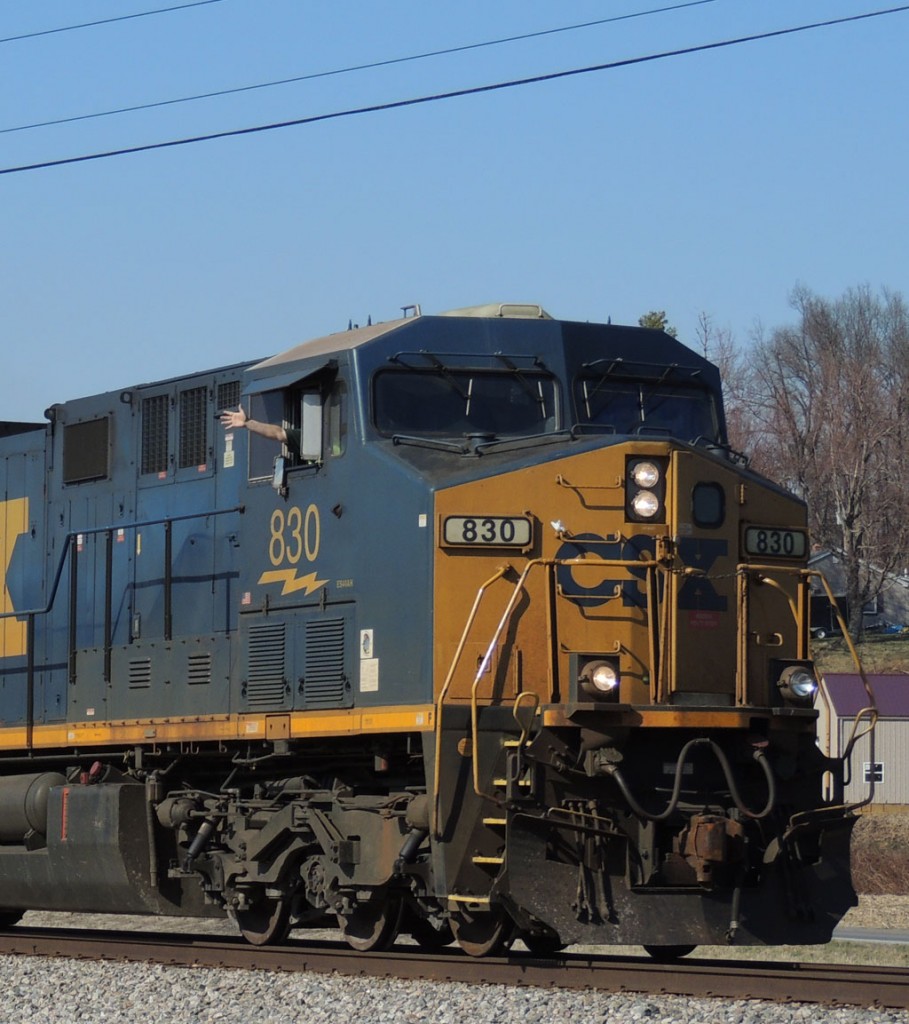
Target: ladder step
(502, 783)
(495, 822)
(511, 743)
(488, 860)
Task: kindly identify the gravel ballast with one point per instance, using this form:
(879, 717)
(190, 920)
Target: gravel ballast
(47, 991)
(52, 991)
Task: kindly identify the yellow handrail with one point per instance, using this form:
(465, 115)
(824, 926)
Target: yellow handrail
(497, 575)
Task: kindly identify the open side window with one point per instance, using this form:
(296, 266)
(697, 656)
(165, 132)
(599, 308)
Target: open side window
(312, 412)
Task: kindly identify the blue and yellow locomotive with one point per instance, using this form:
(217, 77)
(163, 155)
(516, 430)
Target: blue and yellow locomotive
(504, 641)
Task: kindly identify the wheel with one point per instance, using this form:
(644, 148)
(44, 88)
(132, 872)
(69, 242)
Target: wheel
(482, 934)
(665, 954)
(373, 925)
(266, 922)
(427, 936)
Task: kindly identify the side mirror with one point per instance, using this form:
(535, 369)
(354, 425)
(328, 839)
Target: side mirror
(279, 478)
(311, 433)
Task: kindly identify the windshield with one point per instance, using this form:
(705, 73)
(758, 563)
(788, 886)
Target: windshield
(629, 407)
(452, 402)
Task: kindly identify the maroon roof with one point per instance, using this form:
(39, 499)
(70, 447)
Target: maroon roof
(848, 696)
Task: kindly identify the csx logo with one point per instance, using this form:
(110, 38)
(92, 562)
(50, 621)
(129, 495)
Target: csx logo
(696, 592)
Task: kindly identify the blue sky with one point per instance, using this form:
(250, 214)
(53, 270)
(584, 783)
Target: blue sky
(707, 183)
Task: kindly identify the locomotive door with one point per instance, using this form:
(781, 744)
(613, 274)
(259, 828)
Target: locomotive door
(702, 604)
(102, 598)
(297, 611)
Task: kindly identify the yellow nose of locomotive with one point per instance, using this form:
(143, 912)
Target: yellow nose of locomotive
(666, 579)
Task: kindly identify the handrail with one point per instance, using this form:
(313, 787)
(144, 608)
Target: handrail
(871, 709)
(649, 564)
(497, 575)
(532, 698)
(73, 534)
(868, 712)
(71, 549)
(481, 670)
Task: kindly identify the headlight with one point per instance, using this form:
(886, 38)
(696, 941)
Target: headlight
(646, 474)
(645, 504)
(797, 684)
(600, 679)
(645, 488)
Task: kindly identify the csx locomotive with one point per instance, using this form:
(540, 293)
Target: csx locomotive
(508, 644)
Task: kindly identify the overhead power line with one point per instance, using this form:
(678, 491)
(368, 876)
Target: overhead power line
(354, 67)
(106, 21)
(454, 94)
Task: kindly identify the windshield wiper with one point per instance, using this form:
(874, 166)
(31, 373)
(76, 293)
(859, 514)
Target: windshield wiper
(529, 389)
(447, 375)
(429, 442)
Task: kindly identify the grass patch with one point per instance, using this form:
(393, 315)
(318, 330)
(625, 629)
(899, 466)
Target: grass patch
(879, 654)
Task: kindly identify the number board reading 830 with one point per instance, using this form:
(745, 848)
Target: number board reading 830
(773, 542)
(488, 531)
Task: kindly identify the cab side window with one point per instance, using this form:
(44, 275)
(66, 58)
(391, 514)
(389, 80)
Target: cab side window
(267, 407)
(314, 418)
(336, 415)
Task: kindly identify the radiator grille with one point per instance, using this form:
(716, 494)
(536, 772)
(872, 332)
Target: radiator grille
(266, 680)
(193, 427)
(324, 680)
(154, 433)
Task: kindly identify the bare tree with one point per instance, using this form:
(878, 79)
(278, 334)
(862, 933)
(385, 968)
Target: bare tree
(831, 419)
(718, 345)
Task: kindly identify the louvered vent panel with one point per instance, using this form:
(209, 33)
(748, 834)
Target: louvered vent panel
(324, 680)
(265, 677)
(140, 672)
(198, 668)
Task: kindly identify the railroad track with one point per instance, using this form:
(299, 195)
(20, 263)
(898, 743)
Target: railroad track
(728, 979)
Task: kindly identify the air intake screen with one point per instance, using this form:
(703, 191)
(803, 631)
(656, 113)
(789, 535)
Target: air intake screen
(193, 432)
(154, 434)
(228, 395)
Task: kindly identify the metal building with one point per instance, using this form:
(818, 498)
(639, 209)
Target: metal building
(881, 762)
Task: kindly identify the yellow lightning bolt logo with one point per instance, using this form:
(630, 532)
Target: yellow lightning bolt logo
(292, 582)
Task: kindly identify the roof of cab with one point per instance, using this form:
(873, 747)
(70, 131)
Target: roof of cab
(344, 341)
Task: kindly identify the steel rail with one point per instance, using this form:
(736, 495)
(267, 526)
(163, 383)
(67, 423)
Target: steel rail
(830, 984)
